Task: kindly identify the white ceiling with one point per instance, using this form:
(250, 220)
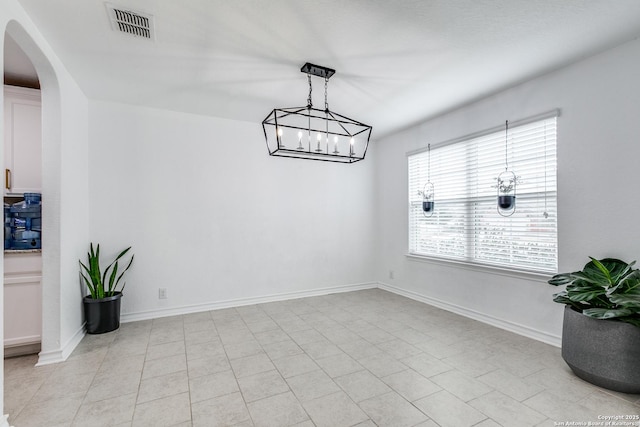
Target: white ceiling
(397, 62)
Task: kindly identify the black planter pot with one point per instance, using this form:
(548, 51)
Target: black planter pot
(506, 202)
(102, 315)
(427, 206)
(603, 352)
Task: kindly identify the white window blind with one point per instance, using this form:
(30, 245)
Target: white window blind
(465, 225)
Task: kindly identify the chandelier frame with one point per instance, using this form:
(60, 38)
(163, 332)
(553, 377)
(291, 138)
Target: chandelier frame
(322, 135)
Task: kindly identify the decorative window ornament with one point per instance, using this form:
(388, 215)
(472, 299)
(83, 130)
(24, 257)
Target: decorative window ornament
(507, 182)
(428, 191)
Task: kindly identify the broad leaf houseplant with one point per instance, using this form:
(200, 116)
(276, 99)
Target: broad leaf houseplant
(601, 329)
(102, 305)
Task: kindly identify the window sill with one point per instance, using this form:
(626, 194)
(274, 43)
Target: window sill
(519, 274)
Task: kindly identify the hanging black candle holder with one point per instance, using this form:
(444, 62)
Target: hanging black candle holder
(428, 191)
(506, 187)
(506, 182)
(428, 203)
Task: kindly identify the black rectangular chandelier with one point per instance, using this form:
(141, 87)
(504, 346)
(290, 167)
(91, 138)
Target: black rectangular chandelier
(315, 134)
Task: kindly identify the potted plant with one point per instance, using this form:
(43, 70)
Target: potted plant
(601, 329)
(102, 305)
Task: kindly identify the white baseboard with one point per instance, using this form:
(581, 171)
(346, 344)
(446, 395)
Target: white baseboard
(61, 354)
(526, 331)
(196, 308)
(4, 421)
(49, 357)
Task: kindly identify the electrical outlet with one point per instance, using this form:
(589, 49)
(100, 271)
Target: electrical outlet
(391, 274)
(162, 293)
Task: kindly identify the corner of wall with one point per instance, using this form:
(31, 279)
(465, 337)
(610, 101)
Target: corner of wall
(507, 325)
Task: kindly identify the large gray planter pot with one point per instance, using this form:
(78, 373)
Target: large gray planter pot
(603, 352)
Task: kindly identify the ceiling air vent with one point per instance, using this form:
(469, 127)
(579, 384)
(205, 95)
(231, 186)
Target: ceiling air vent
(137, 24)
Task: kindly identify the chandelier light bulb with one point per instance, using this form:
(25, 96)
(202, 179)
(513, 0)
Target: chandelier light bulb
(299, 147)
(280, 131)
(318, 138)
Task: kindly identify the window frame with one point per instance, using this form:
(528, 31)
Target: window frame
(472, 228)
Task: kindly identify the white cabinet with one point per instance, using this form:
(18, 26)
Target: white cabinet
(22, 302)
(23, 141)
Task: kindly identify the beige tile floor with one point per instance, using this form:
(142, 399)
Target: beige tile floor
(366, 358)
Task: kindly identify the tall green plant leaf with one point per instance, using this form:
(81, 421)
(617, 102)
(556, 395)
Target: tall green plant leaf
(112, 278)
(92, 288)
(94, 270)
(124, 271)
(106, 270)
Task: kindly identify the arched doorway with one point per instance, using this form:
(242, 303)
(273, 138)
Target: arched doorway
(23, 174)
(51, 136)
(51, 165)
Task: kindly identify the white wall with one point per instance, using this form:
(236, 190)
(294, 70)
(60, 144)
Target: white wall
(212, 218)
(74, 208)
(598, 175)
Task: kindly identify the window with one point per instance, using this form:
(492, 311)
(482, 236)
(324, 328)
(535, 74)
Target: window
(465, 225)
